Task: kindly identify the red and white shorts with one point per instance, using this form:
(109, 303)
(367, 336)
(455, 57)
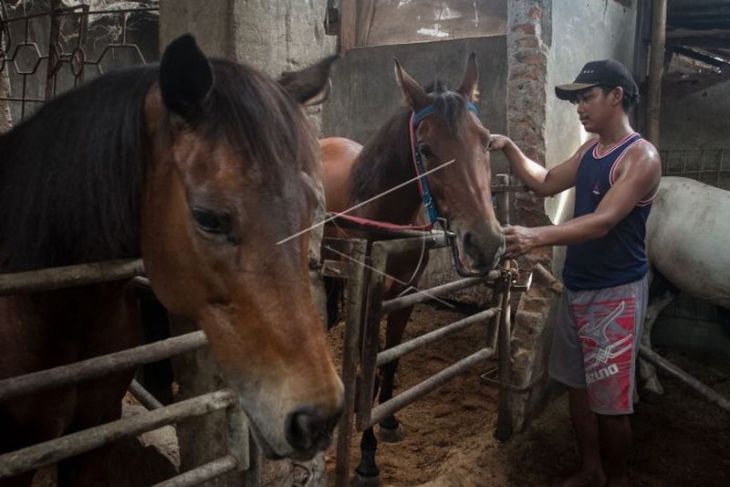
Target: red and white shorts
(596, 341)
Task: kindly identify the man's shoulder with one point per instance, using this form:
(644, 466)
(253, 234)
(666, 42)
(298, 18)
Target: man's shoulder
(643, 152)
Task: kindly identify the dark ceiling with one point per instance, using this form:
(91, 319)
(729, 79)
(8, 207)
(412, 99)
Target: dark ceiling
(700, 29)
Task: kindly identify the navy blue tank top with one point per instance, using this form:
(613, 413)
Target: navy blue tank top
(620, 256)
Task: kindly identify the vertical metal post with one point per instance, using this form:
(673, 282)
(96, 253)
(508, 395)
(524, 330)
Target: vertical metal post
(350, 356)
(504, 332)
(371, 334)
(252, 476)
(503, 215)
(504, 417)
(53, 60)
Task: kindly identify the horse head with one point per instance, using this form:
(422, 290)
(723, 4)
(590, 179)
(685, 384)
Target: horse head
(235, 174)
(447, 130)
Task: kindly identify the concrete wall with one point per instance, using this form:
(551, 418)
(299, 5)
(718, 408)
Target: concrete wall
(274, 37)
(696, 120)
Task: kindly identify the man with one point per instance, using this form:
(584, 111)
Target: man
(615, 176)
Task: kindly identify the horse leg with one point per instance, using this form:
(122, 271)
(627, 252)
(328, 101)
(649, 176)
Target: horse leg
(333, 291)
(661, 293)
(390, 429)
(367, 471)
(157, 377)
(99, 401)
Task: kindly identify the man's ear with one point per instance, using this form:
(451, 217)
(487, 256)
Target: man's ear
(617, 96)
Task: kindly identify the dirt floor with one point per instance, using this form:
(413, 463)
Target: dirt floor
(679, 438)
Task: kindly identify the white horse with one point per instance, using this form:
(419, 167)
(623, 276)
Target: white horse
(687, 238)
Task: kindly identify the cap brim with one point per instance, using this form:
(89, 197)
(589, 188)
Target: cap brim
(567, 92)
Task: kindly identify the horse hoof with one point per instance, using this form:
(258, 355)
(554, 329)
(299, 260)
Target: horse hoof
(363, 481)
(391, 435)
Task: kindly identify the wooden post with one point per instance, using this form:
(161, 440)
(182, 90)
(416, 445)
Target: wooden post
(656, 69)
(351, 355)
(348, 25)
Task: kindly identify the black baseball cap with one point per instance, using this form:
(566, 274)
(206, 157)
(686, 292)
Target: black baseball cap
(600, 73)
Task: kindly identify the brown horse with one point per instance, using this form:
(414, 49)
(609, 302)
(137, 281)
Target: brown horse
(200, 166)
(448, 131)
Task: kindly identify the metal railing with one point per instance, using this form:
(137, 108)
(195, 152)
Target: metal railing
(48, 452)
(44, 47)
(365, 307)
(710, 166)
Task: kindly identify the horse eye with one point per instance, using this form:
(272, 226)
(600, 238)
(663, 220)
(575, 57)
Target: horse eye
(211, 221)
(426, 151)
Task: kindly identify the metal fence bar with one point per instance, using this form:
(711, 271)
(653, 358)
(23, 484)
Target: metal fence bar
(665, 365)
(144, 396)
(99, 366)
(432, 241)
(203, 473)
(405, 398)
(504, 408)
(55, 450)
(412, 345)
(428, 294)
(68, 276)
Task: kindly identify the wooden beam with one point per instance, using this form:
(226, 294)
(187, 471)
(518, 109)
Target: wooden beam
(656, 69)
(348, 25)
(702, 57)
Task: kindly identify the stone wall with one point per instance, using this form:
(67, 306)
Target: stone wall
(274, 37)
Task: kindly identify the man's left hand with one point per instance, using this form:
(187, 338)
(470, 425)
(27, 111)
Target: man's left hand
(519, 240)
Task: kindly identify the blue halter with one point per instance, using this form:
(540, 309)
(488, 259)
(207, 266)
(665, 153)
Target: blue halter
(428, 202)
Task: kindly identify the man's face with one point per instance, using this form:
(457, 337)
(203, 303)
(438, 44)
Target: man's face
(596, 108)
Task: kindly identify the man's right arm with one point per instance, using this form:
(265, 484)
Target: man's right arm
(541, 181)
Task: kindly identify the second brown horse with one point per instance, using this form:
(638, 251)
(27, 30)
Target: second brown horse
(353, 174)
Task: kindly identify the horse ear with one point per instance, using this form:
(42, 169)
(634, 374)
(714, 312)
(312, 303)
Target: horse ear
(471, 76)
(416, 96)
(310, 86)
(186, 78)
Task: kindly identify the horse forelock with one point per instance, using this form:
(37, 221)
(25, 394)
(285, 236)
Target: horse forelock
(449, 106)
(261, 122)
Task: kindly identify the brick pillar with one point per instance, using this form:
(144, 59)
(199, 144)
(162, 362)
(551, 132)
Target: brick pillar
(528, 44)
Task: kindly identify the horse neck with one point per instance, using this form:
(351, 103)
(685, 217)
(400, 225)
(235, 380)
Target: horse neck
(386, 162)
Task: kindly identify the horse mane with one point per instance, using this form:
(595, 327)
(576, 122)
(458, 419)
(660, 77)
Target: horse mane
(72, 176)
(386, 159)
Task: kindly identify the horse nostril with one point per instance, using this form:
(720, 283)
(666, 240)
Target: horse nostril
(307, 431)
